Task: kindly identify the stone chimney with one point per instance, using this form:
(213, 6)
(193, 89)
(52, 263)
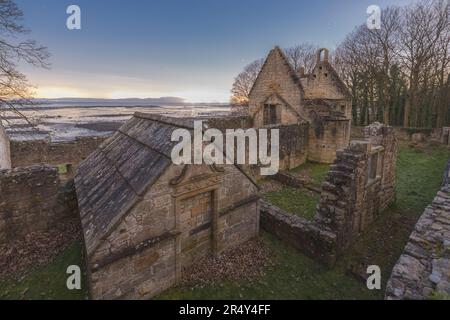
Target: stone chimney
(325, 55)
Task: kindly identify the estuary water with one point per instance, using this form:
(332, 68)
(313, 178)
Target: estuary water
(64, 122)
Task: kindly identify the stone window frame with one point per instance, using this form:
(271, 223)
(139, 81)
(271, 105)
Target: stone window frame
(271, 114)
(377, 152)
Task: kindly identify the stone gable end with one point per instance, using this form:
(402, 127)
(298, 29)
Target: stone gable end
(275, 78)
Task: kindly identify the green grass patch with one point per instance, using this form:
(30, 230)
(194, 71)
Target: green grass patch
(48, 282)
(419, 176)
(294, 277)
(316, 171)
(300, 202)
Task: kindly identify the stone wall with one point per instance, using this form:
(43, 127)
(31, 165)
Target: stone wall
(360, 185)
(44, 152)
(230, 122)
(423, 270)
(309, 237)
(31, 200)
(294, 141)
(325, 137)
(5, 155)
(405, 134)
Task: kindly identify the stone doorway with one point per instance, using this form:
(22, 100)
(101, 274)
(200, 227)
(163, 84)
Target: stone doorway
(196, 219)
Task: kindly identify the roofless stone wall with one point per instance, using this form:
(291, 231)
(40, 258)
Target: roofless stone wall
(359, 186)
(423, 269)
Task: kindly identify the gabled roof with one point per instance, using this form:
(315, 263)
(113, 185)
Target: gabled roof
(295, 77)
(116, 175)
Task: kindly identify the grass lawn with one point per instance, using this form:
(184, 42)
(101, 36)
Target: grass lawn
(300, 202)
(47, 282)
(419, 175)
(316, 171)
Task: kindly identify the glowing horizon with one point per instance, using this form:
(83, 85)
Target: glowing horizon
(145, 49)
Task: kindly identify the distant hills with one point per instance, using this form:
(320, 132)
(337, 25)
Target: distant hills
(127, 101)
(94, 103)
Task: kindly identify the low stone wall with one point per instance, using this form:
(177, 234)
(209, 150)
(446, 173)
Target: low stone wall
(288, 179)
(423, 270)
(31, 199)
(307, 236)
(230, 122)
(44, 152)
(403, 134)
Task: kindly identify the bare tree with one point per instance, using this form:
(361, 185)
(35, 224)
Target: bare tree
(423, 24)
(14, 87)
(243, 83)
(398, 73)
(386, 40)
(302, 56)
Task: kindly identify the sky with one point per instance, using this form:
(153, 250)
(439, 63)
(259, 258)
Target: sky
(185, 48)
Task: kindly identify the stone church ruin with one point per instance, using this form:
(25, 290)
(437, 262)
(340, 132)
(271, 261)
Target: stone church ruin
(144, 220)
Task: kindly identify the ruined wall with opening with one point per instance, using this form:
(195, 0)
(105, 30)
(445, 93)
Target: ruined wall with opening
(358, 187)
(360, 184)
